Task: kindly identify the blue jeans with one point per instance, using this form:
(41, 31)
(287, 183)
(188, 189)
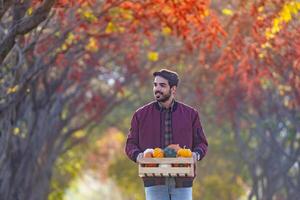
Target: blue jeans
(168, 192)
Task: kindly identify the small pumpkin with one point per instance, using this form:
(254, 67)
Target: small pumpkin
(176, 147)
(158, 153)
(149, 154)
(170, 152)
(183, 152)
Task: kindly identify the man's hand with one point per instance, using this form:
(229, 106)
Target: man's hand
(196, 156)
(138, 158)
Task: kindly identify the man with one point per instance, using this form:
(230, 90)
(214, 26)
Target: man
(159, 124)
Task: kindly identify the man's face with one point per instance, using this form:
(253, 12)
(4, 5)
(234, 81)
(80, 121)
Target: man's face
(161, 89)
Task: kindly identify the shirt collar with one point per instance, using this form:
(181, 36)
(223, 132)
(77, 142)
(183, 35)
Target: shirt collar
(163, 108)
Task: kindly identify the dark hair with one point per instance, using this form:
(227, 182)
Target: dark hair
(171, 76)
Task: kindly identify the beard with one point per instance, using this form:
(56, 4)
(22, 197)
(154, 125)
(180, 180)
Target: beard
(160, 97)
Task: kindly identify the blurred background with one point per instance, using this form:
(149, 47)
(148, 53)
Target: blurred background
(72, 72)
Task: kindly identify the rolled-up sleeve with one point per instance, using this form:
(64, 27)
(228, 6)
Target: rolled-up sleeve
(132, 143)
(200, 143)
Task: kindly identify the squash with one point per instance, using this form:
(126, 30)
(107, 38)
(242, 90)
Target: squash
(186, 153)
(176, 147)
(149, 155)
(158, 153)
(183, 152)
(170, 152)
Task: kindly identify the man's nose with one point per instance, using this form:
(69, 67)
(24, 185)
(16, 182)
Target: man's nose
(156, 88)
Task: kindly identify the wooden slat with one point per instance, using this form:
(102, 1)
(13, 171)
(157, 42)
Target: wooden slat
(166, 171)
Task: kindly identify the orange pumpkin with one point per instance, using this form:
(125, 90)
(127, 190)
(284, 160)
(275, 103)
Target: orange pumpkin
(158, 153)
(186, 153)
(149, 155)
(183, 152)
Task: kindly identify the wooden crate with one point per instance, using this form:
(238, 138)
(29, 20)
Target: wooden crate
(165, 167)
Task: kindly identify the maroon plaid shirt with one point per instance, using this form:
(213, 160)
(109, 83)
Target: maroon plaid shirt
(168, 123)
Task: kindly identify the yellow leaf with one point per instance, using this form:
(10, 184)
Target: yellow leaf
(261, 55)
(121, 29)
(110, 28)
(79, 134)
(12, 89)
(16, 131)
(119, 137)
(276, 23)
(29, 11)
(64, 47)
(266, 45)
(269, 34)
(152, 56)
(166, 31)
(286, 14)
(70, 38)
(227, 11)
(92, 45)
(127, 14)
(260, 9)
(89, 16)
(292, 7)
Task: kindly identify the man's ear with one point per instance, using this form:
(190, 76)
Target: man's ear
(173, 89)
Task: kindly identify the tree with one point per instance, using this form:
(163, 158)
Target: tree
(48, 96)
(257, 74)
(44, 102)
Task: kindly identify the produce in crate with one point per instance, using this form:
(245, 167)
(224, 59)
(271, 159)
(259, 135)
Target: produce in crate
(158, 153)
(185, 153)
(165, 167)
(176, 147)
(148, 153)
(170, 152)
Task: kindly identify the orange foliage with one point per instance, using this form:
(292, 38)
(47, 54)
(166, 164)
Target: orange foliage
(251, 56)
(191, 20)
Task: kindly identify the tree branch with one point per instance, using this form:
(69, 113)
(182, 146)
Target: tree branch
(4, 5)
(25, 25)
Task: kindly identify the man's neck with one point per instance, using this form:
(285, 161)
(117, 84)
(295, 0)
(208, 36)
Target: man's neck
(167, 104)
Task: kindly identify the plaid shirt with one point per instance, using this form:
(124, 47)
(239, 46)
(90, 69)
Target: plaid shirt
(168, 123)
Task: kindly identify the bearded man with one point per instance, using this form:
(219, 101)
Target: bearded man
(160, 123)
